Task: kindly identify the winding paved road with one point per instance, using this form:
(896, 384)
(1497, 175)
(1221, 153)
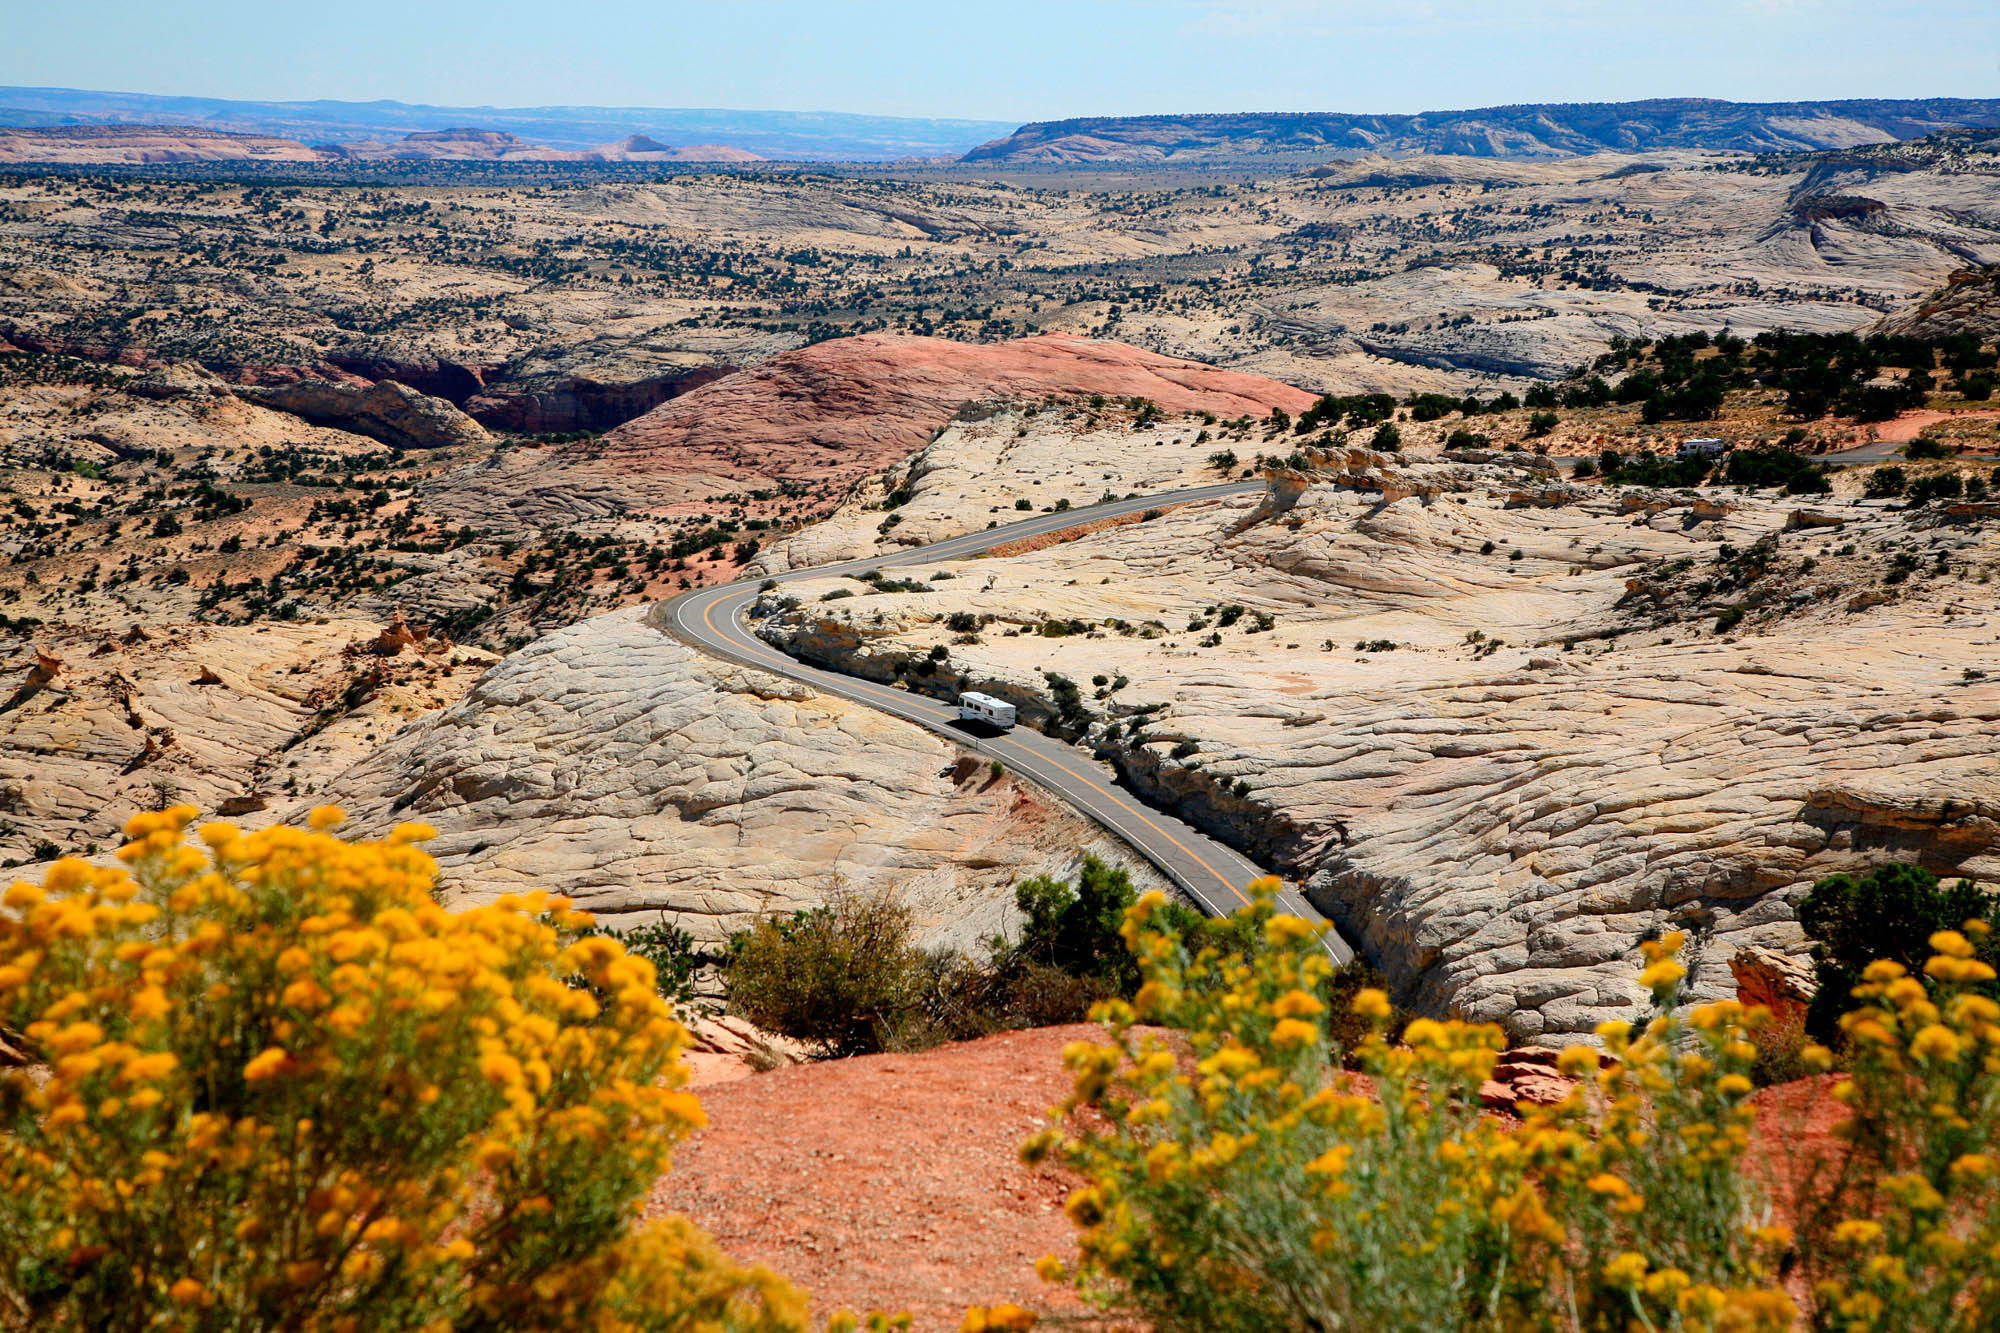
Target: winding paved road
(1214, 875)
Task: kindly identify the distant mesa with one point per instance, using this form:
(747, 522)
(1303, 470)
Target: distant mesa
(1542, 130)
(453, 145)
(640, 148)
(153, 145)
(789, 136)
(136, 132)
(144, 145)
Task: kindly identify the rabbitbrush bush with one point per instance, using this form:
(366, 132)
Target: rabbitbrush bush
(1240, 1186)
(288, 1091)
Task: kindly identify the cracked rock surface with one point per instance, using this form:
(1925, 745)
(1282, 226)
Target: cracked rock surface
(1502, 741)
(609, 763)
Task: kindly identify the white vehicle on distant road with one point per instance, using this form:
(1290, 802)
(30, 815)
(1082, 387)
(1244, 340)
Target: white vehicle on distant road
(985, 708)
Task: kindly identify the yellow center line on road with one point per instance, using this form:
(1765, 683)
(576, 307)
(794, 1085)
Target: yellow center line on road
(707, 613)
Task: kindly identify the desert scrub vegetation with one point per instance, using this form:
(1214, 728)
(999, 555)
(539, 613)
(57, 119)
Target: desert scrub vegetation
(848, 978)
(1890, 914)
(1233, 1184)
(282, 1088)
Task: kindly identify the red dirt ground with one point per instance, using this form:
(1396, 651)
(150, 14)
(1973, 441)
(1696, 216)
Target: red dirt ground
(889, 1181)
(1911, 424)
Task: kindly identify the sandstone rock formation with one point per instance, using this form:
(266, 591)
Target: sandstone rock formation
(1969, 303)
(393, 413)
(1526, 1074)
(987, 459)
(1342, 282)
(1781, 982)
(724, 1048)
(234, 719)
(559, 404)
(1494, 766)
(607, 762)
(829, 415)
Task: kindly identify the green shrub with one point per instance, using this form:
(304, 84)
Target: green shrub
(1889, 913)
(1071, 718)
(844, 978)
(1775, 467)
(1936, 486)
(672, 952)
(1886, 483)
(1075, 928)
(1038, 996)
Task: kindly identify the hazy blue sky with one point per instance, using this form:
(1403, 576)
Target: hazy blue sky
(1020, 60)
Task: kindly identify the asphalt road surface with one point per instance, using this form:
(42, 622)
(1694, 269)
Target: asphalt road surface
(1214, 875)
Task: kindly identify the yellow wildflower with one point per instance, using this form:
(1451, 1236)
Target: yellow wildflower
(1626, 1270)
(1935, 1042)
(1293, 1032)
(1371, 1004)
(1296, 1003)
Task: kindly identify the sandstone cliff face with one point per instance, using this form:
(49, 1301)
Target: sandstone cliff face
(1495, 817)
(393, 413)
(1969, 303)
(607, 762)
(556, 405)
(828, 415)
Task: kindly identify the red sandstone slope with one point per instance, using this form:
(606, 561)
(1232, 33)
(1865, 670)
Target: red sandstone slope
(852, 406)
(823, 416)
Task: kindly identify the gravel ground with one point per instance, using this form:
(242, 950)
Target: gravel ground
(889, 1181)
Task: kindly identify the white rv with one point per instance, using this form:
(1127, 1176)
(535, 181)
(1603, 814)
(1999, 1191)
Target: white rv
(1700, 448)
(987, 709)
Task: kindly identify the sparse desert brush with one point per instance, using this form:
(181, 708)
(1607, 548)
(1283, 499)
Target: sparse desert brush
(1240, 1186)
(286, 1090)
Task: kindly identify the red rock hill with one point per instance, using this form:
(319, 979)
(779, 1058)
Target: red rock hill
(869, 401)
(826, 415)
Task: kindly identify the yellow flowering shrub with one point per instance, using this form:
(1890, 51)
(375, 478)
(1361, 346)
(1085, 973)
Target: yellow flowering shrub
(1243, 1183)
(286, 1090)
(1902, 1227)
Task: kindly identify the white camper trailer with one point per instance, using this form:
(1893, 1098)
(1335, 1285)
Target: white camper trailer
(987, 709)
